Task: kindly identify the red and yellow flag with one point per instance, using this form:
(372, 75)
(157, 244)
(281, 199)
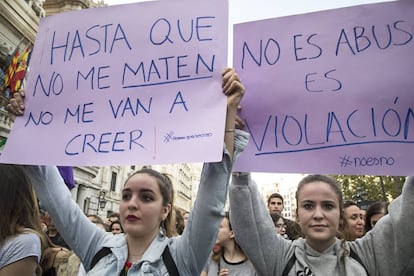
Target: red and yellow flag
(11, 69)
(20, 71)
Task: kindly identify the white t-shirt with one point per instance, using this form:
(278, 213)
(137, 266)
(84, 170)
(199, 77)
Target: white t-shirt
(19, 247)
(244, 268)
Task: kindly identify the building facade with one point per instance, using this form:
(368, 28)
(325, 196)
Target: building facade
(98, 189)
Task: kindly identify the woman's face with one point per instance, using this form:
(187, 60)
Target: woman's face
(141, 209)
(185, 217)
(355, 221)
(224, 233)
(280, 227)
(318, 214)
(375, 218)
(116, 228)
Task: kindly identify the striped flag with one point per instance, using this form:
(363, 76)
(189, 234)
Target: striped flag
(20, 71)
(12, 68)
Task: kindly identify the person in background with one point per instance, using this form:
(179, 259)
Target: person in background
(275, 205)
(55, 260)
(22, 241)
(145, 208)
(227, 258)
(95, 218)
(186, 215)
(363, 213)
(43, 220)
(280, 225)
(98, 221)
(112, 217)
(179, 221)
(353, 226)
(116, 228)
(374, 213)
(53, 233)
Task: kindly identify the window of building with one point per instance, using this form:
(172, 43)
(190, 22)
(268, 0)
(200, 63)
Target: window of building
(113, 181)
(86, 204)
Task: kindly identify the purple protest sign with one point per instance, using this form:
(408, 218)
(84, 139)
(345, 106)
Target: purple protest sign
(329, 92)
(127, 84)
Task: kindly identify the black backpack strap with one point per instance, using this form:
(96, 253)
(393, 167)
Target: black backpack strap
(98, 256)
(289, 265)
(353, 255)
(169, 262)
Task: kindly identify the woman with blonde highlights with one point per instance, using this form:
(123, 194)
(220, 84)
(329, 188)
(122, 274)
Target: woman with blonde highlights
(22, 240)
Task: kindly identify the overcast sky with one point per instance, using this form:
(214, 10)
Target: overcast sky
(250, 10)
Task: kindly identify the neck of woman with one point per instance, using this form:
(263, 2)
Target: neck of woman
(232, 253)
(321, 246)
(137, 245)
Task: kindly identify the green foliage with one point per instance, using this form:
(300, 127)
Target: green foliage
(370, 187)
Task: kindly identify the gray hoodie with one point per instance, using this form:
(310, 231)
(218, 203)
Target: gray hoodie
(386, 250)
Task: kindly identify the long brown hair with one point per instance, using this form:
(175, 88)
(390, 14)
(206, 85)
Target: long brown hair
(18, 205)
(219, 251)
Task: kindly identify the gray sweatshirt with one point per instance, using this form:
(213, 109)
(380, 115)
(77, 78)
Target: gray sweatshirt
(386, 250)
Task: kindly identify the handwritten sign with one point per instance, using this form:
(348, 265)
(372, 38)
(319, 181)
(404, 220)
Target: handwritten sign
(126, 84)
(329, 92)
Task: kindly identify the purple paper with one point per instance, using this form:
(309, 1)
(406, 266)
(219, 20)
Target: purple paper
(126, 84)
(329, 92)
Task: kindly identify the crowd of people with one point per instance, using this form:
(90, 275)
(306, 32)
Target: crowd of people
(149, 236)
(355, 223)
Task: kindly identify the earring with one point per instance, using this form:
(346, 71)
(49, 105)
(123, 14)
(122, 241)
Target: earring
(162, 231)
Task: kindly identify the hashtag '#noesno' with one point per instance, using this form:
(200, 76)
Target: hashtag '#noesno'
(345, 161)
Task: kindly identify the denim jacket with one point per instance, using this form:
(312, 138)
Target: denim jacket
(190, 251)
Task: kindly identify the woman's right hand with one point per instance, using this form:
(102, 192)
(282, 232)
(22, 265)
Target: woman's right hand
(232, 88)
(223, 272)
(16, 104)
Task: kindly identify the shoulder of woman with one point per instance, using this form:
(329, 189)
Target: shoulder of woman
(20, 246)
(26, 238)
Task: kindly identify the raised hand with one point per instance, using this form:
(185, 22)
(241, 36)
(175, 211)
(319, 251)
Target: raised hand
(232, 88)
(16, 104)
